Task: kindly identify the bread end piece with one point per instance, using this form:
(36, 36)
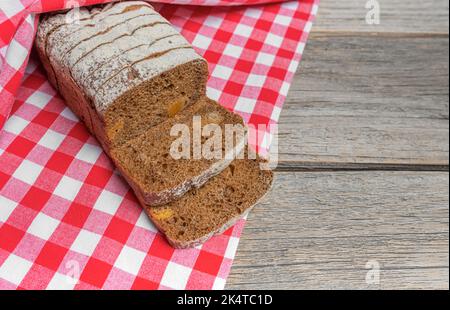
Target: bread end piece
(210, 210)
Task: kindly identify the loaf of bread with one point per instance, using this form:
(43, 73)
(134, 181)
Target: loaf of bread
(130, 77)
(122, 68)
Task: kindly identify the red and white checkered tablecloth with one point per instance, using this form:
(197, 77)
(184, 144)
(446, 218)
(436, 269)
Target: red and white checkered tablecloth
(67, 219)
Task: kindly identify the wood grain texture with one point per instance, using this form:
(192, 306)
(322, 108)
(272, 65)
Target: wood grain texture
(363, 172)
(403, 16)
(369, 99)
(327, 226)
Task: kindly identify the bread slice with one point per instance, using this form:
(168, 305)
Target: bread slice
(122, 68)
(213, 208)
(157, 176)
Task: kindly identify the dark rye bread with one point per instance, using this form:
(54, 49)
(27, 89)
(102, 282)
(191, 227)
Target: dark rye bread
(130, 77)
(213, 208)
(122, 68)
(156, 176)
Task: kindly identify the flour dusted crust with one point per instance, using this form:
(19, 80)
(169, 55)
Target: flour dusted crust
(128, 77)
(131, 33)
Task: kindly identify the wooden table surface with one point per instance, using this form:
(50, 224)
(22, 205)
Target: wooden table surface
(364, 153)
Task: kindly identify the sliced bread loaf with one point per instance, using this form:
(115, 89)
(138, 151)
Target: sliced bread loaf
(151, 163)
(132, 79)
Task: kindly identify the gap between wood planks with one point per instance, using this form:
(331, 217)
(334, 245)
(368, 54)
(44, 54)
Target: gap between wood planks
(368, 103)
(334, 167)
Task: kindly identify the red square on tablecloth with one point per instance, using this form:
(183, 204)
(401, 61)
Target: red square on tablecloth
(20, 146)
(11, 236)
(143, 284)
(51, 255)
(95, 272)
(208, 262)
(35, 198)
(118, 230)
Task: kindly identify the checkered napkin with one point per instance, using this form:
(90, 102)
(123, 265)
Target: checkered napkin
(67, 219)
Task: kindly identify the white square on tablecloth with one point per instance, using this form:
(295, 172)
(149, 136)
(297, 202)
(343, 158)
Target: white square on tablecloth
(144, 222)
(274, 40)
(232, 247)
(315, 9)
(222, 72)
(284, 90)
(61, 282)
(243, 30)
(108, 202)
(293, 66)
(213, 93)
(219, 284)
(39, 99)
(15, 124)
(43, 226)
(282, 20)
(27, 172)
(176, 276)
(253, 12)
(14, 269)
(68, 188)
(11, 8)
(308, 27)
(86, 242)
(301, 48)
(213, 21)
(67, 113)
(245, 105)
(266, 141)
(265, 59)
(51, 139)
(201, 41)
(256, 80)
(130, 260)
(16, 54)
(276, 113)
(89, 153)
(233, 50)
(6, 208)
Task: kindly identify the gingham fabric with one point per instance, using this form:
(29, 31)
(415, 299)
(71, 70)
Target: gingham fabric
(67, 219)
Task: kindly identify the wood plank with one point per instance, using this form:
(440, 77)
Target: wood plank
(407, 16)
(368, 99)
(318, 230)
